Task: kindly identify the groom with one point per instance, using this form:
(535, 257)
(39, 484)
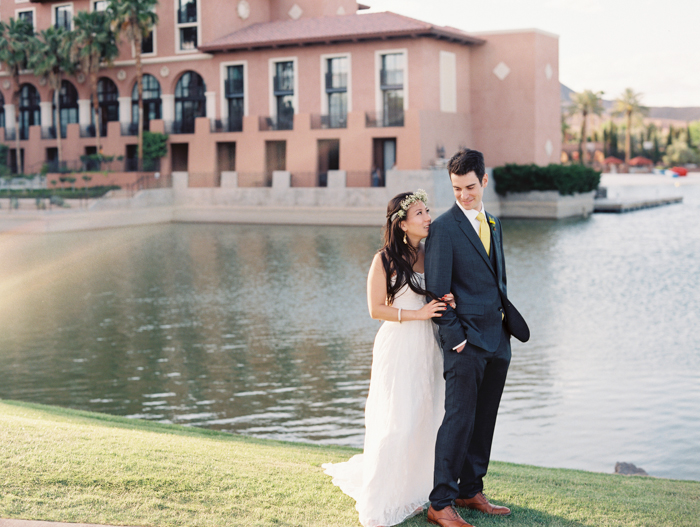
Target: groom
(464, 255)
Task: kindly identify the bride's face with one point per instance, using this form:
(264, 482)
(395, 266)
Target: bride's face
(417, 221)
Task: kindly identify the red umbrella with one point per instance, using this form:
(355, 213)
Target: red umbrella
(680, 171)
(640, 161)
(612, 161)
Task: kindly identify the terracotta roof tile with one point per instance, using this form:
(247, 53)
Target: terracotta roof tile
(333, 29)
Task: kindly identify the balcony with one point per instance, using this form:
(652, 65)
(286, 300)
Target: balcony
(391, 79)
(88, 131)
(48, 132)
(336, 82)
(281, 122)
(230, 124)
(130, 129)
(384, 119)
(284, 85)
(233, 87)
(321, 122)
(180, 127)
(10, 134)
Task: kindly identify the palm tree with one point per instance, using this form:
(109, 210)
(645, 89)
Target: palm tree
(16, 40)
(94, 43)
(52, 61)
(135, 19)
(629, 105)
(587, 102)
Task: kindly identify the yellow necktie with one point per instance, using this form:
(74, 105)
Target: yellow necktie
(484, 232)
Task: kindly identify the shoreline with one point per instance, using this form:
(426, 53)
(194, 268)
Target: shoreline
(84, 467)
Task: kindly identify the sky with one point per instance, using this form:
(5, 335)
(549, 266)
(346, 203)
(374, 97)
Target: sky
(651, 46)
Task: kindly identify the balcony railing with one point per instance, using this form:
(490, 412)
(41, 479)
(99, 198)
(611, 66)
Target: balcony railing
(336, 81)
(233, 87)
(319, 122)
(391, 79)
(48, 132)
(384, 119)
(10, 134)
(88, 131)
(180, 127)
(147, 165)
(284, 84)
(230, 124)
(281, 122)
(130, 129)
(24, 132)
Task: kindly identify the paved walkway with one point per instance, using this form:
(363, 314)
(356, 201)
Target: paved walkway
(34, 523)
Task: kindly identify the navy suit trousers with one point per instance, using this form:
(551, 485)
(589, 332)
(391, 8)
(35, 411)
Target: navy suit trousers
(474, 384)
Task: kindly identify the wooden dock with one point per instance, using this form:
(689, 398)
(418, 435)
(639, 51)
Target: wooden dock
(628, 205)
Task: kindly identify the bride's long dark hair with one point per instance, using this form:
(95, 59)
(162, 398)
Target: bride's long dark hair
(398, 257)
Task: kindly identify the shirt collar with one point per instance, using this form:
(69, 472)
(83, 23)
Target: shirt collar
(471, 214)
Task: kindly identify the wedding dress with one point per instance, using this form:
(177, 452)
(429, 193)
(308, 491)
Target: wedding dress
(392, 479)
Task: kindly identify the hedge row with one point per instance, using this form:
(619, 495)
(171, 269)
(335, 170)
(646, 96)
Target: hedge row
(567, 179)
(78, 193)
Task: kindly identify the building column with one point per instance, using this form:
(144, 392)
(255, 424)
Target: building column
(168, 107)
(84, 114)
(211, 104)
(46, 114)
(10, 116)
(124, 109)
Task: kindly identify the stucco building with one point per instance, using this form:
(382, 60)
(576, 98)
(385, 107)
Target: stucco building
(305, 86)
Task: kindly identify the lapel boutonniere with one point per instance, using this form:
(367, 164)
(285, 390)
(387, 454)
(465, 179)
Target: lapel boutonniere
(493, 224)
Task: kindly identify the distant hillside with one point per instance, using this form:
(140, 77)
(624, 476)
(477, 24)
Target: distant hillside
(690, 113)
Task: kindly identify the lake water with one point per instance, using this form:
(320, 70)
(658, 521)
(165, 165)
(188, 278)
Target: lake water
(264, 330)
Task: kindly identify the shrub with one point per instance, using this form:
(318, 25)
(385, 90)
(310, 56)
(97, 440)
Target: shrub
(568, 179)
(155, 145)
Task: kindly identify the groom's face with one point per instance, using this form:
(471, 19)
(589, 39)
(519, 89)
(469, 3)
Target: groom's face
(468, 190)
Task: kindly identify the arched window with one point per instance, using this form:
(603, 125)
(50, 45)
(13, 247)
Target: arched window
(190, 102)
(29, 109)
(108, 100)
(151, 101)
(2, 111)
(68, 98)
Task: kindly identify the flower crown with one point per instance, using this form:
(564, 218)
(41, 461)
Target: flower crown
(418, 195)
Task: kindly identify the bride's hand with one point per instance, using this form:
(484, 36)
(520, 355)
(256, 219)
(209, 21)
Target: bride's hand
(450, 299)
(432, 309)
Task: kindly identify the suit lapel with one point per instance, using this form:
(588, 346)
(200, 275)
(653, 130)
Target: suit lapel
(471, 235)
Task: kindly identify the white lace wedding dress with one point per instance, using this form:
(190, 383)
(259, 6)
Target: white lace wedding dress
(392, 478)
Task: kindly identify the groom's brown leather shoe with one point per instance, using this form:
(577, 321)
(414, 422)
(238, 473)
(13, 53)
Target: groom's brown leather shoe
(481, 504)
(446, 517)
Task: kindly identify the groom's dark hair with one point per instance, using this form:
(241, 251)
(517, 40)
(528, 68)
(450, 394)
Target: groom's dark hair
(466, 161)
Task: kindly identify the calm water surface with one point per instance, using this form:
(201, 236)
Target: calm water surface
(264, 331)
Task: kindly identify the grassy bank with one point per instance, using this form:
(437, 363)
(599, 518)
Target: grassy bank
(73, 466)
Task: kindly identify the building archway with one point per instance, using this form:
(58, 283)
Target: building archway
(151, 101)
(190, 102)
(29, 109)
(68, 98)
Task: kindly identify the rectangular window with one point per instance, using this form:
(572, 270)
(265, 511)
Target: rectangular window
(284, 94)
(187, 24)
(147, 43)
(392, 89)
(63, 16)
(99, 5)
(233, 88)
(27, 16)
(337, 91)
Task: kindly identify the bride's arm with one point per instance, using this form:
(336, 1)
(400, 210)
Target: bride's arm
(376, 299)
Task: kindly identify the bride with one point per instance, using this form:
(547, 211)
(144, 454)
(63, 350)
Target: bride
(392, 478)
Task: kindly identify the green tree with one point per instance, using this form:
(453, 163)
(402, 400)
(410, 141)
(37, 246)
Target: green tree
(16, 40)
(689, 136)
(51, 61)
(585, 103)
(94, 44)
(629, 105)
(679, 153)
(135, 19)
(694, 130)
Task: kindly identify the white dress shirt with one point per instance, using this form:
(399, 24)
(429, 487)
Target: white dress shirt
(471, 216)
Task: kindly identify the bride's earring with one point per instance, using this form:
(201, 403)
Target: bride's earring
(404, 238)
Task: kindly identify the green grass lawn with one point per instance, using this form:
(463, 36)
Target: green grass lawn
(73, 466)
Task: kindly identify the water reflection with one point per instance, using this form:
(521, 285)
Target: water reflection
(264, 331)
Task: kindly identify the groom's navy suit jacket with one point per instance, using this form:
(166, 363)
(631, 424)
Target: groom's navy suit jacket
(456, 262)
